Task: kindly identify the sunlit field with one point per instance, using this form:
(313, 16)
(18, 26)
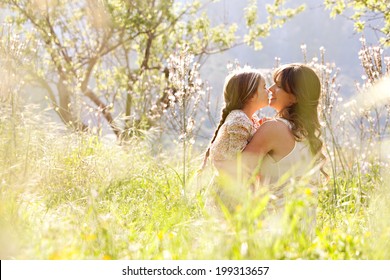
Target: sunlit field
(68, 192)
(72, 196)
(68, 196)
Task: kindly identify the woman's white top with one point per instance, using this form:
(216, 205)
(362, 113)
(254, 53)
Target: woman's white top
(296, 164)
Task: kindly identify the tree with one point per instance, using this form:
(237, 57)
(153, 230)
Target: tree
(105, 59)
(374, 14)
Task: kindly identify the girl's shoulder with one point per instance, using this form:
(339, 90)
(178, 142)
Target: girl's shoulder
(237, 116)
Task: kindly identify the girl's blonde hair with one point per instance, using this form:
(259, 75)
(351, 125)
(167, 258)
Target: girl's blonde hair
(239, 87)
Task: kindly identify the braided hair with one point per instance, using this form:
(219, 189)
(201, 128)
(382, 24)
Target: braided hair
(239, 87)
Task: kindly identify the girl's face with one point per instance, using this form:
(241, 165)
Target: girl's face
(262, 94)
(279, 98)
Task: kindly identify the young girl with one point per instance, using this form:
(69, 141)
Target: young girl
(244, 92)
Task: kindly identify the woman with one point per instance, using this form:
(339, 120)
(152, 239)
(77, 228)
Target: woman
(289, 146)
(291, 141)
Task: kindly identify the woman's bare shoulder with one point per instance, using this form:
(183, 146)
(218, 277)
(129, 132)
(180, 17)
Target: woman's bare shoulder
(272, 125)
(271, 132)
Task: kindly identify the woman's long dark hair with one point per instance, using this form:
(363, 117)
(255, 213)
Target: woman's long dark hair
(301, 81)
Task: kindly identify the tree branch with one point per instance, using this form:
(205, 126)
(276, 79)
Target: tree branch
(104, 109)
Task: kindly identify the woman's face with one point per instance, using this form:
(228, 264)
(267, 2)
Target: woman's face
(279, 98)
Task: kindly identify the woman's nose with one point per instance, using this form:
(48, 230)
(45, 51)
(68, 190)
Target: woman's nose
(270, 90)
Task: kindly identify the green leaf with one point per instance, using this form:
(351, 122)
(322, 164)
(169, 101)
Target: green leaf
(359, 26)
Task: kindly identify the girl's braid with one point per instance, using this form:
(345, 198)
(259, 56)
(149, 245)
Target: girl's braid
(225, 113)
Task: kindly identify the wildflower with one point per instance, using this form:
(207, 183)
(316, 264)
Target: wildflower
(244, 249)
(308, 192)
(167, 255)
(160, 235)
(89, 236)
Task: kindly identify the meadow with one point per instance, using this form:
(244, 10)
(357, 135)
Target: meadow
(67, 195)
(75, 195)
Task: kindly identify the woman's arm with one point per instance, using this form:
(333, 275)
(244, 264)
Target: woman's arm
(259, 146)
(273, 138)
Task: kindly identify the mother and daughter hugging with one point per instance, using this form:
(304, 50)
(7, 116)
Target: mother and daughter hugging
(285, 146)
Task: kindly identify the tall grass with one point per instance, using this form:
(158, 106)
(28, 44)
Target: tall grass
(71, 196)
(82, 199)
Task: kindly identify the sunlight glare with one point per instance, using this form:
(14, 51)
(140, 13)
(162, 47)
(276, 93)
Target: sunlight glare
(377, 95)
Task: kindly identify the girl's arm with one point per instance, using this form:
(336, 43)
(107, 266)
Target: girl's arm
(239, 134)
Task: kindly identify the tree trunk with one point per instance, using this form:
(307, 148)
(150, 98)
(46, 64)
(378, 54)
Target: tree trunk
(65, 110)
